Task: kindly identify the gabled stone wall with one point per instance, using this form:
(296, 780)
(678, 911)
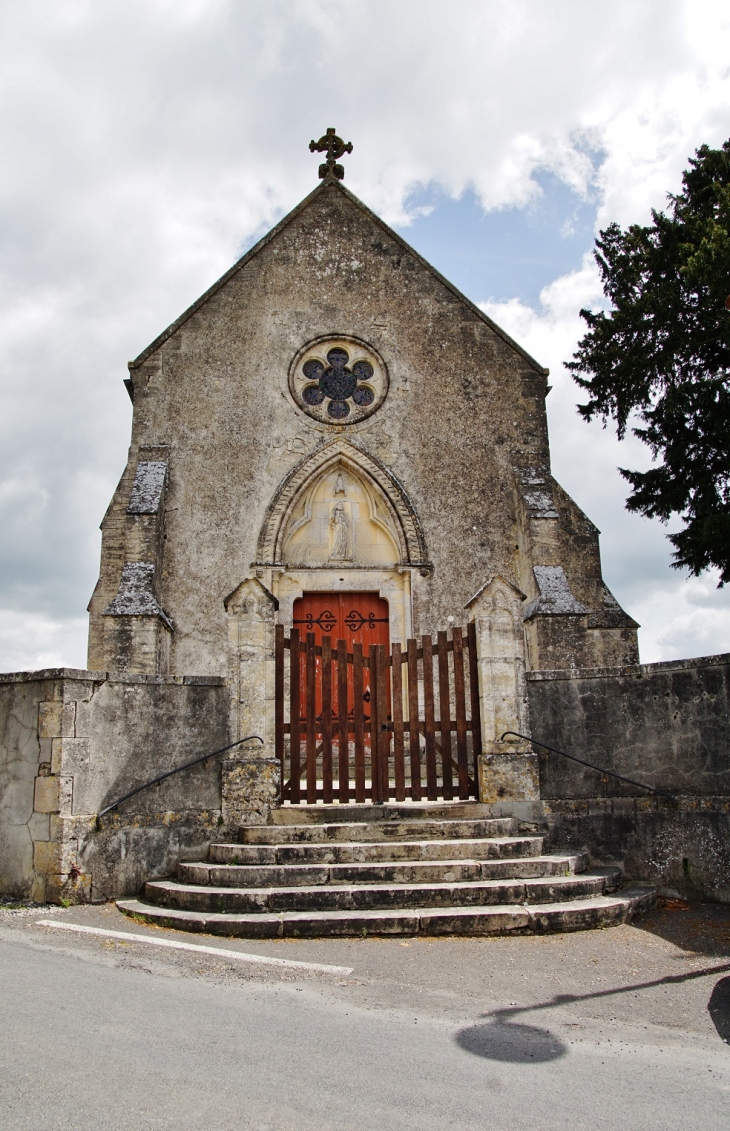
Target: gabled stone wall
(450, 442)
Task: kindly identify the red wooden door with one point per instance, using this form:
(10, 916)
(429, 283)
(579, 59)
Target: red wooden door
(356, 618)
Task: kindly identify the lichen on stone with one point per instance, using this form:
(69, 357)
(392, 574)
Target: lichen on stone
(537, 493)
(136, 596)
(149, 481)
(555, 597)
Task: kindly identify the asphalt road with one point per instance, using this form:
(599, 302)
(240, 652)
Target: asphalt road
(609, 1029)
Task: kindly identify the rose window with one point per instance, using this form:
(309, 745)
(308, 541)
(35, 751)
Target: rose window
(339, 381)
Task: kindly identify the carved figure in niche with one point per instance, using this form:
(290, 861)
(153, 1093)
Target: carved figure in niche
(340, 524)
(340, 488)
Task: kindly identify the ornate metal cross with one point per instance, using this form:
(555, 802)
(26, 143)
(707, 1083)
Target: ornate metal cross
(334, 147)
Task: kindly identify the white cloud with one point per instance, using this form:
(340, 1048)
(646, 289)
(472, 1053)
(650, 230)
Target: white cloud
(29, 642)
(143, 143)
(687, 620)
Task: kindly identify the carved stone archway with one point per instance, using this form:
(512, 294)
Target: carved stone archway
(404, 520)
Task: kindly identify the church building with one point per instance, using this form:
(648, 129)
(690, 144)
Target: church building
(334, 422)
(340, 584)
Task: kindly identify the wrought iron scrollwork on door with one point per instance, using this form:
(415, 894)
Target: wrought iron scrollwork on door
(326, 621)
(355, 621)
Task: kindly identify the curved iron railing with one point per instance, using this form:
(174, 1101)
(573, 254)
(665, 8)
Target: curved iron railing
(598, 769)
(177, 770)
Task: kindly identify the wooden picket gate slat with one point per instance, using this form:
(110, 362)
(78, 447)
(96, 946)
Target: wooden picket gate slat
(371, 761)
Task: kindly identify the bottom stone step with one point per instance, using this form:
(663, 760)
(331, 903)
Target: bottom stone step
(572, 915)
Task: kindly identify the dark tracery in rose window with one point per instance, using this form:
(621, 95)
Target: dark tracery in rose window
(338, 383)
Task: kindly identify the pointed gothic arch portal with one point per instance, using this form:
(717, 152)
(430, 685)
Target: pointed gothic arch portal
(390, 505)
(342, 522)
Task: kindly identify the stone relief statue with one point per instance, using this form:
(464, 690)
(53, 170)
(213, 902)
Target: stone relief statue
(340, 525)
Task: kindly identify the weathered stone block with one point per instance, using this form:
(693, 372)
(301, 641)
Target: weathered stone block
(250, 788)
(47, 857)
(508, 776)
(39, 827)
(624, 806)
(70, 755)
(56, 720)
(53, 794)
(71, 887)
(38, 889)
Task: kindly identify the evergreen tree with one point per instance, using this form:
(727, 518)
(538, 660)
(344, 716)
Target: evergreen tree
(659, 360)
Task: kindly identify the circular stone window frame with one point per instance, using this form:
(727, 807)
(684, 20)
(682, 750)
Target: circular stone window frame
(357, 350)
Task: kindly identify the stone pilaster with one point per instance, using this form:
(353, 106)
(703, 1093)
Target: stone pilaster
(59, 874)
(250, 779)
(251, 610)
(507, 769)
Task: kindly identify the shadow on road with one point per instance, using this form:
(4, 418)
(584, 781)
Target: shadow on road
(703, 928)
(719, 1009)
(502, 1039)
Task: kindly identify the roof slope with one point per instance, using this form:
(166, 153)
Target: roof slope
(323, 187)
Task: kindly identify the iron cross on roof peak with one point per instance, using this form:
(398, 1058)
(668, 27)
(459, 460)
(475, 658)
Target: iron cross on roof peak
(334, 147)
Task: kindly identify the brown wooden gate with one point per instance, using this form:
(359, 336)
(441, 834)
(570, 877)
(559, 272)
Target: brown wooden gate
(387, 743)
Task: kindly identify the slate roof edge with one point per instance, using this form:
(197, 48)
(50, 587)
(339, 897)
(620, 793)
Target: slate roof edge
(240, 263)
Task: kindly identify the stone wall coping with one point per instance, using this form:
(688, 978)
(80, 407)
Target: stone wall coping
(681, 803)
(81, 674)
(635, 670)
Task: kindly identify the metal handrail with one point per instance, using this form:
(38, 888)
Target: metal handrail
(599, 769)
(169, 773)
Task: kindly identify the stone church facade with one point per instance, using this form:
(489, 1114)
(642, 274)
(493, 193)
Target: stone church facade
(436, 462)
(331, 417)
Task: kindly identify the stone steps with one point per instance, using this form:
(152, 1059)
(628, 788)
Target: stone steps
(409, 811)
(442, 869)
(570, 915)
(375, 896)
(357, 831)
(398, 871)
(393, 852)
(362, 874)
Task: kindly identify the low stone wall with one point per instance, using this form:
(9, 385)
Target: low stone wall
(682, 846)
(667, 725)
(72, 742)
(664, 724)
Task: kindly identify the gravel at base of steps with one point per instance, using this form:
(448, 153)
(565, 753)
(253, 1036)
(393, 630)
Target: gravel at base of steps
(572, 915)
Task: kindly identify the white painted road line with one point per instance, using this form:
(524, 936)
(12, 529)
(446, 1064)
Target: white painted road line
(239, 956)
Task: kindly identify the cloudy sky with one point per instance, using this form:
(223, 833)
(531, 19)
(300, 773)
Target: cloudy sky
(147, 143)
